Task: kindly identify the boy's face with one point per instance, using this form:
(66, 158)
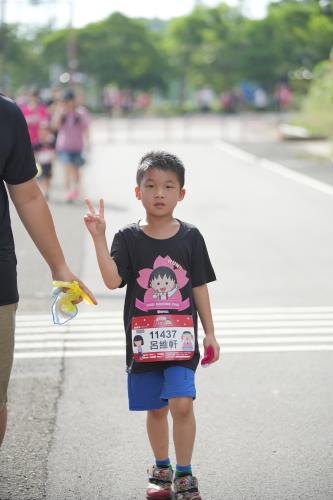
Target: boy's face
(159, 192)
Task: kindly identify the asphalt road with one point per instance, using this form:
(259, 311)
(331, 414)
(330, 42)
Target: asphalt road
(264, 412)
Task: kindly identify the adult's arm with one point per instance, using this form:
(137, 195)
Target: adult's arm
(37, 219)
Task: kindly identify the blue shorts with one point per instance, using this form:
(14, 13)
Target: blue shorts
(152, 390)
(71, 158)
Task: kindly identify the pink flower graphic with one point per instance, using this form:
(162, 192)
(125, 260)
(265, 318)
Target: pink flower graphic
(163, 282)
(145, 274)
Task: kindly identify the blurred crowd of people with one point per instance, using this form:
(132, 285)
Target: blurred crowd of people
(124, 101)
(247, 96)
(59, 123)
(58, 127)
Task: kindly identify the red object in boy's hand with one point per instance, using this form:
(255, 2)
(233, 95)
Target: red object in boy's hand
(208, 358)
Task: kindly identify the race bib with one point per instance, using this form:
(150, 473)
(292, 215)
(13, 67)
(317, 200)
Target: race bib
(163, 338)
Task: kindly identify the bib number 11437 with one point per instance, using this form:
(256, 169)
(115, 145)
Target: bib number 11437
(163, 338)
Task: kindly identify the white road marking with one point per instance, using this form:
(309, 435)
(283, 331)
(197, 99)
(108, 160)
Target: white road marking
(222, 334)
(226, 326)
(241, 330)
(277, 168)
(222, 312)
(119, 352)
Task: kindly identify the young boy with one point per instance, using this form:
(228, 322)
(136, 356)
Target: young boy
(166, 267)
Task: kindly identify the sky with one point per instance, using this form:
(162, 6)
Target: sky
(84, 12)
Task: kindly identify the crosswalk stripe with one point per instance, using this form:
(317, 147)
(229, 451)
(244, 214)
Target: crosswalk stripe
(121, 352)
(238, 330)
(223, 325)
(119, 343)
(216, 312)
(224, 334)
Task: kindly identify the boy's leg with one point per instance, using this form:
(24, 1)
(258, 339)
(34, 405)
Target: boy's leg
(158, 432)
(184, 428)
(179, 389)
(144, 391)
(160, 475)
(185, 485)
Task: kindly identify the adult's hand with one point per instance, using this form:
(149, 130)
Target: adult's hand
(65, 274)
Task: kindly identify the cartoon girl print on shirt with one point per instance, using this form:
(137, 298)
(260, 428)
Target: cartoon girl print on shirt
(163, 284)
(138, 343)
(187, 341)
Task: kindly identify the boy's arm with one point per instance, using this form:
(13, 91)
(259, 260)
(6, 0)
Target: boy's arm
(96, 226)
(106, 264)
(201, 299)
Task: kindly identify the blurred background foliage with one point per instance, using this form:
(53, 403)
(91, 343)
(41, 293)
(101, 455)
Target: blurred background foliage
(216, 47)
(316, 113)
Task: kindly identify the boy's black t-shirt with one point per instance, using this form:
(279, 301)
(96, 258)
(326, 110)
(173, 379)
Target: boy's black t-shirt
(17, 165)
(160, 317)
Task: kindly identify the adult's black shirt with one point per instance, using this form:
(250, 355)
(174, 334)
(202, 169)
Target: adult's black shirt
(179, 264)
(17, 165)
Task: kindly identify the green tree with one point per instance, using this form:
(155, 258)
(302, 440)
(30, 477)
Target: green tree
(122, 51)
(293, 35)
(307, 33)
(316, 112)
(220, 47)
(215, 46)
(117, 50)
(19, 59)
(203, 47)
(54, 47)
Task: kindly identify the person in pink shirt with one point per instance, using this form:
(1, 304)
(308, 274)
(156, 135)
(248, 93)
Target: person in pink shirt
(72, 123)
(36, 116)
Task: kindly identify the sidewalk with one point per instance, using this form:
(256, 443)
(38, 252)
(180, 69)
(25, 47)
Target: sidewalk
(259, 135)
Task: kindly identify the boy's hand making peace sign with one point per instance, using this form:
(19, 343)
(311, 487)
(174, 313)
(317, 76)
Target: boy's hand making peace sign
(95, 221)
(96, 226)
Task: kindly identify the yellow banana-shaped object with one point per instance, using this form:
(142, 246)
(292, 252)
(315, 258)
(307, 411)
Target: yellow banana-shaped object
(73, 292)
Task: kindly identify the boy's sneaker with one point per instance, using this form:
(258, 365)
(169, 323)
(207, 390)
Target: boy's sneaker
(186, 488)
(159, 483)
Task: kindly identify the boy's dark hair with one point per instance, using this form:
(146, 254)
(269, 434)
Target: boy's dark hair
(161, 272)
(162, 161)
